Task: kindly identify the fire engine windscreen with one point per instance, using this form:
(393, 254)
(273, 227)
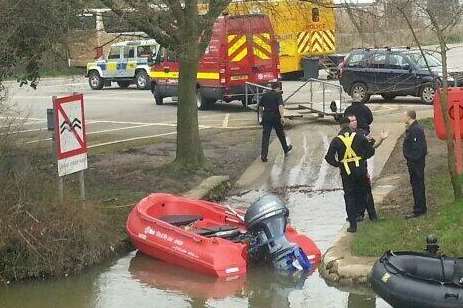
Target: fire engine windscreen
(266, 221)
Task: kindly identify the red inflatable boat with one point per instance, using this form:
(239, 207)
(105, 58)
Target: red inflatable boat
(198, 235)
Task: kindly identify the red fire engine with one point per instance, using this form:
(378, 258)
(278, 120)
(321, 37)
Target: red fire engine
(242, 49)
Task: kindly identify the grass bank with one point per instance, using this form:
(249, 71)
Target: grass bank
(444, 219)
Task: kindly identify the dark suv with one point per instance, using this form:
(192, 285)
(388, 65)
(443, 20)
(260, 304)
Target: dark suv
(390, 73)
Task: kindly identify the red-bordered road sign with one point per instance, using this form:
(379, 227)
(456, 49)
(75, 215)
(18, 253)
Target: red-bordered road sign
(70, 138)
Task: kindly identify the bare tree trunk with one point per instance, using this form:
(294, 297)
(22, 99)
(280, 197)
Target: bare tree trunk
(189, 150)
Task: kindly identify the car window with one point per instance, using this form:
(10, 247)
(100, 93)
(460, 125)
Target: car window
(145, 51)
(356, 60)
(167, 55)
(114, 53)
(398, 62)
(378, 60)
(129, 52)
(419, 61)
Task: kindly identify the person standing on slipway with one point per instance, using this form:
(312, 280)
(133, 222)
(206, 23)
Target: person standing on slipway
(272, 102)
(349, 152)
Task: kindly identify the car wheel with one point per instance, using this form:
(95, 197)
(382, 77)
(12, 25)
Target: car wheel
(158, 99)
(427, 94)
(359, 91)
(201, 102)
(123, 84)
(388, 97)
(142, 80)
(95, 81)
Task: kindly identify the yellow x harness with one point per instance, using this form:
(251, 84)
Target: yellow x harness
(349, 156)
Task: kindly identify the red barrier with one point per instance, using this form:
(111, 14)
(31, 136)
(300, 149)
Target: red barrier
(455, 112)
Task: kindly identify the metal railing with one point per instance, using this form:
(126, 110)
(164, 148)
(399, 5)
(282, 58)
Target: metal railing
(253, 91)
(325, 87)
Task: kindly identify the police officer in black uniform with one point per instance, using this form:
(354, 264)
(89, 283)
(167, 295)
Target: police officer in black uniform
(362, 113)
(415, 150)
(272, 102)
(349, 152)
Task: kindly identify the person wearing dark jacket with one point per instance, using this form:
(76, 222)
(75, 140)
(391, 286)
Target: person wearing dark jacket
(415, 150)
(349, 151)
(362, 113)
(370, 203)
(272, 102)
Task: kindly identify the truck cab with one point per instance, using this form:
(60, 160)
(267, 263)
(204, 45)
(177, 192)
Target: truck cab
(126, 63)
(242, 49)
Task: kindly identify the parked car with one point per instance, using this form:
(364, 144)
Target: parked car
(243, 49)
(127, 63)
(391, 72)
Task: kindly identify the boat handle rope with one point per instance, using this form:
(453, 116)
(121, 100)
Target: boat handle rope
(387, 263)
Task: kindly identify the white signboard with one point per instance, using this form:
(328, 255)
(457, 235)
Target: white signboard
(71, 143)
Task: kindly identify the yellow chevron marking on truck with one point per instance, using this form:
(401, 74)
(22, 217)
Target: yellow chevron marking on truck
(316, 42)
(231, 38)
(262, 48)
(243, 53)
(236, 45)
(261, 43)
(260, 54)
(303, 39)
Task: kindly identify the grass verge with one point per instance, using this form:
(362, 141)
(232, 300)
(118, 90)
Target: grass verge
(444, 218)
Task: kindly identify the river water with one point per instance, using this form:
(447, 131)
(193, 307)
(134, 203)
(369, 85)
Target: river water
(135, 280)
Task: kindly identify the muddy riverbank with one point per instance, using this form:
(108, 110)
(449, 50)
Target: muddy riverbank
(40, 238)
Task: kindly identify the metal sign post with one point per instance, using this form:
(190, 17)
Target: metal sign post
(70, 139)
(51, 128)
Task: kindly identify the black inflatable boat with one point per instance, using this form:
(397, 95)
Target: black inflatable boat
(418, 280)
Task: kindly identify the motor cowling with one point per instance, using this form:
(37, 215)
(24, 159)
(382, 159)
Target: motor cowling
(266, 221)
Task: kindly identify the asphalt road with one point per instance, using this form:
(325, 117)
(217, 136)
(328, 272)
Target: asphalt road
(117, 115)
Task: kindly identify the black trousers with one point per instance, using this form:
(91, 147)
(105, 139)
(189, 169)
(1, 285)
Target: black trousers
(272, 122)
(355, 190)
(369, 204)
(416, 171)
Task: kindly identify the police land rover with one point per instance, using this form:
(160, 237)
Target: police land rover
(127, 63)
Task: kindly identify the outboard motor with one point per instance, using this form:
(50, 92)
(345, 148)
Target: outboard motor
(266, 220)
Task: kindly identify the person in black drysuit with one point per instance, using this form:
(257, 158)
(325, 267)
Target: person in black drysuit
(364, 118)
(349, 152)
(369, 201)
(272, 102)
(415, 150)
(363, 115)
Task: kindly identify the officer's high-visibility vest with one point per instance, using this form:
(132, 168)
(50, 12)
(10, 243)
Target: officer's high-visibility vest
(349, 156)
